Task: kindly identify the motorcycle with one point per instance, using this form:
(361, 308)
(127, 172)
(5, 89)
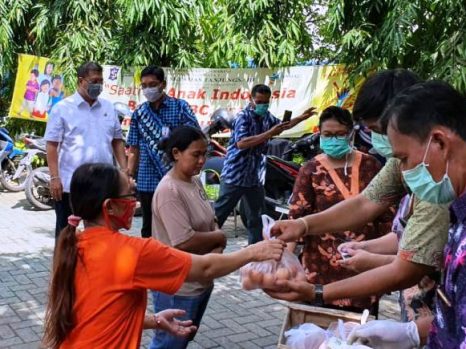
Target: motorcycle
(37, 187)
(281, 172)
(14, 169)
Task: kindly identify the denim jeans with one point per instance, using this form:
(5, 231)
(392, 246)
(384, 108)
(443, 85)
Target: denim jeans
(254, 201)
(194, 306)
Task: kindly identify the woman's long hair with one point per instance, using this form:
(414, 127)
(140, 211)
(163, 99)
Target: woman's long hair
(91, 185)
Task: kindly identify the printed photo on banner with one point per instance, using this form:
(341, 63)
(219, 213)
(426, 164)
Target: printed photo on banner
(38, 88)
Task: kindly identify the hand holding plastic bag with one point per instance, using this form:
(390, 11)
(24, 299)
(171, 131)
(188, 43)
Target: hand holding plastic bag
(264, 274)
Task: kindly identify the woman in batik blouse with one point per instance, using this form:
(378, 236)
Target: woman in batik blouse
(335, 175)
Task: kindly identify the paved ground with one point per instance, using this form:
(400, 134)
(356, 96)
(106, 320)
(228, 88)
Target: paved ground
(234, 318)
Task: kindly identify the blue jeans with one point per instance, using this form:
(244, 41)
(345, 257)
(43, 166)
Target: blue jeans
(194, 306)
(254, 202)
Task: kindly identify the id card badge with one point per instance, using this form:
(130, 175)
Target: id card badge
(165, 131)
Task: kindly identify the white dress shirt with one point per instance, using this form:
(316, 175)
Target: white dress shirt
(85, 133)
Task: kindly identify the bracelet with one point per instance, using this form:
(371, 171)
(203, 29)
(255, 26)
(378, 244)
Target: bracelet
(306, 226)
(156, 321)
(54, 177)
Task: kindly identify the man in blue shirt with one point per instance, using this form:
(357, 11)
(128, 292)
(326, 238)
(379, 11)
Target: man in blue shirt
(243, 173)
(153, 120)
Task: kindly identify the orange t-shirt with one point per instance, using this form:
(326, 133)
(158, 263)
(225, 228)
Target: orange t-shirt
(113, 274)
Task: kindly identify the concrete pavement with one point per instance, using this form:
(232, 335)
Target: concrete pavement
(234, 318)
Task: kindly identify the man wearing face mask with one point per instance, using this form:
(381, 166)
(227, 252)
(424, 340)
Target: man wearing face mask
(151, 122)
(419, 250)
(427, 127)
(82, 128)
(243, 172)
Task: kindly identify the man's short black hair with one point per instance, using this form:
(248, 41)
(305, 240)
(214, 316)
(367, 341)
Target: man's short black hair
(35, 72)
(155, 71)
(378, 90)
(418, 109)
(262, 89)
(56, 77)
(85, 69)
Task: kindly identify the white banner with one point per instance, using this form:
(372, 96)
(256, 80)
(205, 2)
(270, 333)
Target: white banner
(293, 88)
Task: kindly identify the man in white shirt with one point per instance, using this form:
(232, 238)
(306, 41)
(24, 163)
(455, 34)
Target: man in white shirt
(82, 128)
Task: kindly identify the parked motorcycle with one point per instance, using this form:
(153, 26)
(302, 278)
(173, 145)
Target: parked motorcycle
(37, 187)
(14, 169)
(280, 175)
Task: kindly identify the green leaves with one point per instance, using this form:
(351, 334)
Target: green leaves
(427, 36)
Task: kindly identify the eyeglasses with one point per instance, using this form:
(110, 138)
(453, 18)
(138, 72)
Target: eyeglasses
(336, 136)
(151, 85)
(99, 81)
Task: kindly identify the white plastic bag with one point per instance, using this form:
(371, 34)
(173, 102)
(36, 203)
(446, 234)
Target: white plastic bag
(306, 336)
(264, 274)
(337, 333)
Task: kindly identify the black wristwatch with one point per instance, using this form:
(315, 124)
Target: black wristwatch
(318, 295)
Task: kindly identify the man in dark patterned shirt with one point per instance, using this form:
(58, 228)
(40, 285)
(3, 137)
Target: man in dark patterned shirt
(243, 172)
(427, 128)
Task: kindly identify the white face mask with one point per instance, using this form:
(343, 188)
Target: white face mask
(152, 94)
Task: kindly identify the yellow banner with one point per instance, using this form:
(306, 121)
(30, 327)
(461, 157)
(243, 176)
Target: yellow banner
(38, 88)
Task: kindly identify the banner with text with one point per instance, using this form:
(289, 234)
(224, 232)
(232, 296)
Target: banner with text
(38, 88)
(293, 88)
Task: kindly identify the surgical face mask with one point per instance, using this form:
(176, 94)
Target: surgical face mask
(94, 90)
(421, 183)
(335, 147)
(125, 218)
(261, 109)
(152, 94)
(381, 144)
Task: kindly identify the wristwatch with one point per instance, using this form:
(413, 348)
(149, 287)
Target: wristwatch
(318, 295)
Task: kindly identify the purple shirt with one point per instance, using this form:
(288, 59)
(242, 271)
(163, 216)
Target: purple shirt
(449, 327)
(31, 95)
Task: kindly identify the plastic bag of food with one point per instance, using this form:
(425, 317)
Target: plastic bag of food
(264, 274)
(306, 336)
(337, 332)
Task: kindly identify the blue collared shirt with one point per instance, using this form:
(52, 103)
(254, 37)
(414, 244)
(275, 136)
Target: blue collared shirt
(246, 167)
(146, 129)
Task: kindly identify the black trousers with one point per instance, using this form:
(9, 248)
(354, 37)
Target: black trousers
(62, 211)
(146, 206)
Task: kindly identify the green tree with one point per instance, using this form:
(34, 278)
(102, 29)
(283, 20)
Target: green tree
(176, 33)
(427, 36)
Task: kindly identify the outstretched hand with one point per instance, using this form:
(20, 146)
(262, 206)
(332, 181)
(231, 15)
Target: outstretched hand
(166, 321)
(292, 291)
(288, 230)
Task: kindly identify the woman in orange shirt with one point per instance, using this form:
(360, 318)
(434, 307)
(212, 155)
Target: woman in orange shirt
(98, 292)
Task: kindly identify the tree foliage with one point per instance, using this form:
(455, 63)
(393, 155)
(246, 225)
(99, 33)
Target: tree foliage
(427, 36)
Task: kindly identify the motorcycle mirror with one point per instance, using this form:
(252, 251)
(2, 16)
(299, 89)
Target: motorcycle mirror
(224, 117)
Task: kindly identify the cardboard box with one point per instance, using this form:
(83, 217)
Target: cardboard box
(298, 314)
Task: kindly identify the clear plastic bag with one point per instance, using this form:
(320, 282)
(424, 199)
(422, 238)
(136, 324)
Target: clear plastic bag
(310, 336)
(306, 336)
(263, 275)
